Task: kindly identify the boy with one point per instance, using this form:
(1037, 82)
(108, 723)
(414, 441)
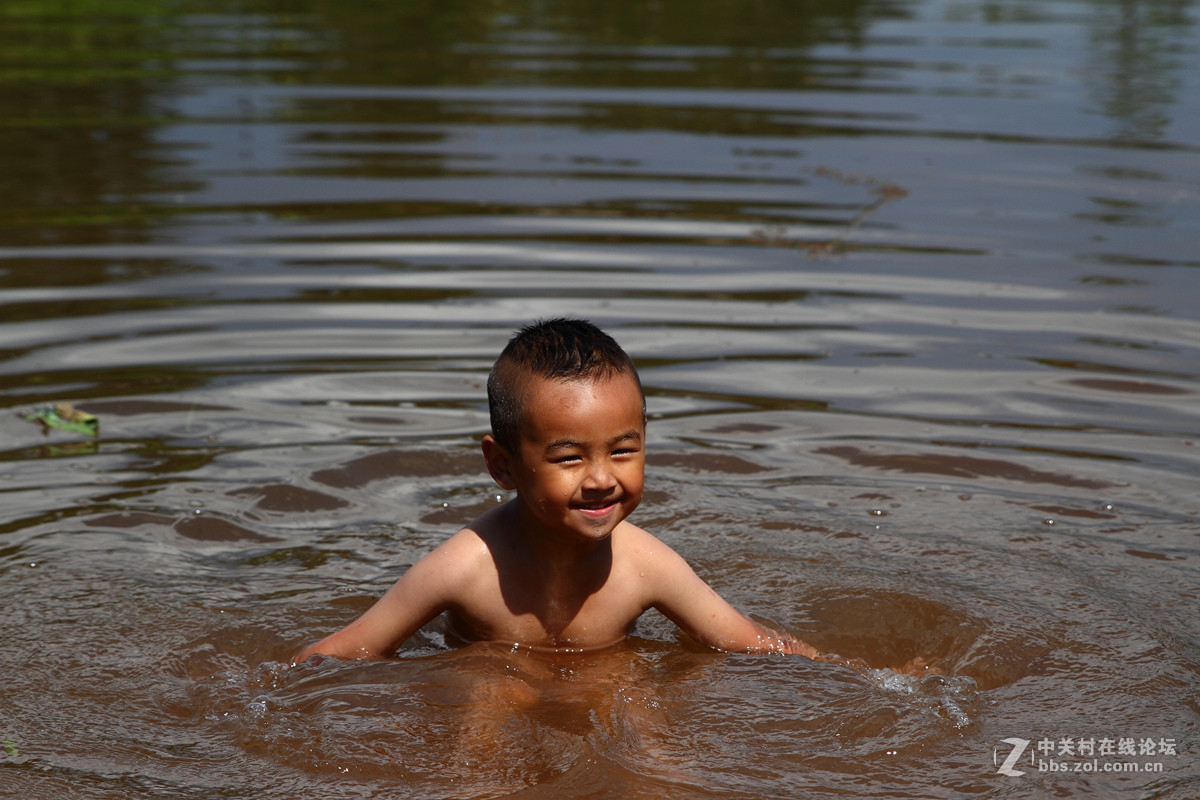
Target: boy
(559, 566)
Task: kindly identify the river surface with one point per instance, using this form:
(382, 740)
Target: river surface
(913, 286)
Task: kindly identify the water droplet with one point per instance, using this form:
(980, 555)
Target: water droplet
(878, 512)
(445, 505)
(1048, 521)
(499, 498)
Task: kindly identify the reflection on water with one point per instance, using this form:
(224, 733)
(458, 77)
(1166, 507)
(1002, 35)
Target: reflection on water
(911, 285)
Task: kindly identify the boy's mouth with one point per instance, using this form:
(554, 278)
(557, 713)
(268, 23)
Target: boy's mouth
(597, 509)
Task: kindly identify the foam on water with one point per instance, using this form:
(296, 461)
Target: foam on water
(951, 697)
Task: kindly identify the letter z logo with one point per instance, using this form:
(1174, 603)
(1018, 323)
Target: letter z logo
(1018, 749)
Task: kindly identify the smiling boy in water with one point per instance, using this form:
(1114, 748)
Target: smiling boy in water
(559, 566)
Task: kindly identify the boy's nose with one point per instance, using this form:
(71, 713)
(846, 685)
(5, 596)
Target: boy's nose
(599, 476)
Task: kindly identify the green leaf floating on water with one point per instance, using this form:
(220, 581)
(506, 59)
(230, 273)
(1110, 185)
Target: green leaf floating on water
(10, 747)
(65, 417)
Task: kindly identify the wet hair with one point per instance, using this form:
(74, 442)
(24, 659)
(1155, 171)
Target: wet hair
(555, 349)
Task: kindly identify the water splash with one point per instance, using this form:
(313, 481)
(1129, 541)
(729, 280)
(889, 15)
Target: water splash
(951, 697)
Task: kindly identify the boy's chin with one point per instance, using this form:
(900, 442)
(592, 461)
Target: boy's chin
(595, 530)
(583, 523)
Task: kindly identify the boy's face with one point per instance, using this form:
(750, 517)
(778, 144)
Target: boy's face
(580, 460)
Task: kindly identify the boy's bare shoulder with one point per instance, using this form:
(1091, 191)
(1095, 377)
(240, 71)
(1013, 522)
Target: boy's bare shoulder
(460, 560)
(644, 549)
(638, 539)
(465, 543)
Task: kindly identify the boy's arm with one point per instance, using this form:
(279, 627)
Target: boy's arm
(427, 589)
(684, 598)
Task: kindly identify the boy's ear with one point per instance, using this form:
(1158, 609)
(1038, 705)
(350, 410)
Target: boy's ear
(499, 462)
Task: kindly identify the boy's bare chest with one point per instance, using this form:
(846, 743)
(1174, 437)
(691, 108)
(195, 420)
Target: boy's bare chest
(549, 616)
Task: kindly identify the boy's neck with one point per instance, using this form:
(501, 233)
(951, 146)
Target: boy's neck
(546, 577)
(549, 553)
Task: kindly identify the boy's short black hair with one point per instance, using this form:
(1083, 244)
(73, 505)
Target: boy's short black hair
(558, 349)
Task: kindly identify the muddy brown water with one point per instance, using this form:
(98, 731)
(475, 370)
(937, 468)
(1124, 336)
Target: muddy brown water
(913, 289)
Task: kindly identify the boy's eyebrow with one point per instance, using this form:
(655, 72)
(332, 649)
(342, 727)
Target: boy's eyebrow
(630, 434)
(567, 444)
